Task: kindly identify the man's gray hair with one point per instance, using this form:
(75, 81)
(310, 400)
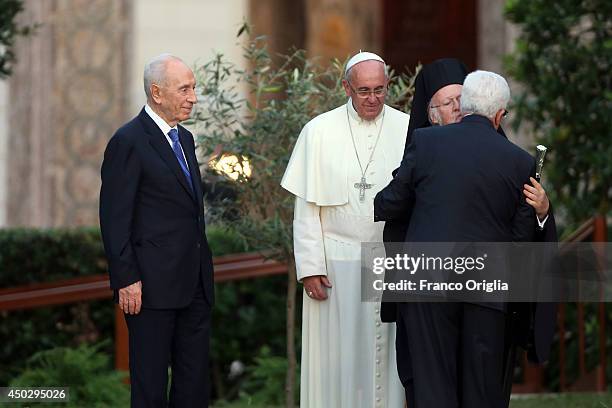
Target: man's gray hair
(484, 93)
(155, 71)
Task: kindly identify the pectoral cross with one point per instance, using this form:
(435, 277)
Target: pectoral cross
(362, 186)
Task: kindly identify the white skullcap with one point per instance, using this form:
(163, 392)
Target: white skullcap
(360, 57)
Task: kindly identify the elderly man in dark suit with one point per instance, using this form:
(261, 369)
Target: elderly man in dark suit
(531, 325)
(465, 181)
(152, 220)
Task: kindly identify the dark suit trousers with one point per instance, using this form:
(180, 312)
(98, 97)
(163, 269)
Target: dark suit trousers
(456, 353)
(175, 337)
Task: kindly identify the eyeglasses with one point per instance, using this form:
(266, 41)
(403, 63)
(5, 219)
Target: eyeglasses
(448, 102)
(365, 93)
(506, 112)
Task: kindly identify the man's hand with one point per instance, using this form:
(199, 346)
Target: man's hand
(536, 197)
(130, 298)
(314, 286)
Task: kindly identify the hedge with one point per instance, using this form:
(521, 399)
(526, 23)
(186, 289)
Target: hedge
(249, 315)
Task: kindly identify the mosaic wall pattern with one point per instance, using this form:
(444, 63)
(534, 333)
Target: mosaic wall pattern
(69, 96)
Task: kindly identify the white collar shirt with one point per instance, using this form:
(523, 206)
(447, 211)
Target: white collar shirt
(164, 127)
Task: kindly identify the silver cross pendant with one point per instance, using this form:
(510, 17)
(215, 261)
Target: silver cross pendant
(362, 186)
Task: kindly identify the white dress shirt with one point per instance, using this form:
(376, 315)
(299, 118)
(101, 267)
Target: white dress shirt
(165, 128)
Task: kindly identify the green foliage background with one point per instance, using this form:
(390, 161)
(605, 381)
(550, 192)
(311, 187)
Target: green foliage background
(87, 371)
(248, 318)
(563, 59)
(578, 400)
(9, 31)
(34, 256)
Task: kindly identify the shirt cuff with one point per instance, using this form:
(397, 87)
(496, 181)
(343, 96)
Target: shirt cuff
(541, 223)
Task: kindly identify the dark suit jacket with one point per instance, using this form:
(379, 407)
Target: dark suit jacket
(466, 181)
(461, 183)
(533, 324)
(152, 223)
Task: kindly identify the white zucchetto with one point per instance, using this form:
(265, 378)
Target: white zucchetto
(360, 57)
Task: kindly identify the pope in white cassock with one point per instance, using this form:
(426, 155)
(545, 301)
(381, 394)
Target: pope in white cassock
(341, 160)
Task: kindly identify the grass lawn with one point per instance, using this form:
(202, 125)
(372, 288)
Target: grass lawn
(577, 400)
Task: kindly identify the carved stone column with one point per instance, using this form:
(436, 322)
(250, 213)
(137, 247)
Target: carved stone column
(68, 94)
(494, 35)
(497, 38)
(30, 118)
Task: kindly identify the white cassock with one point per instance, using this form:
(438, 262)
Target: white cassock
(348, 354)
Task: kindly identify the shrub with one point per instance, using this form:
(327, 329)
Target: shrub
(563, 59)
(248, 314)
(85, 370)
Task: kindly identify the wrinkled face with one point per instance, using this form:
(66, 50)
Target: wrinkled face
(445, 105)
(175, 97)
(367, 86)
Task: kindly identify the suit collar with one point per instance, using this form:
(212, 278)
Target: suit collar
(474, 118)
(159, 121)
(159, 143)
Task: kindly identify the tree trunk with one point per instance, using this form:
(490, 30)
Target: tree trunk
(291, 357)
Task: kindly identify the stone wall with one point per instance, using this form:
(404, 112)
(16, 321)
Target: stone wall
(496, 38)
(340, 28)
(67, 95)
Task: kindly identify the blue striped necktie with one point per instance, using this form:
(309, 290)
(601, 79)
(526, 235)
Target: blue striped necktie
(178, 152)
